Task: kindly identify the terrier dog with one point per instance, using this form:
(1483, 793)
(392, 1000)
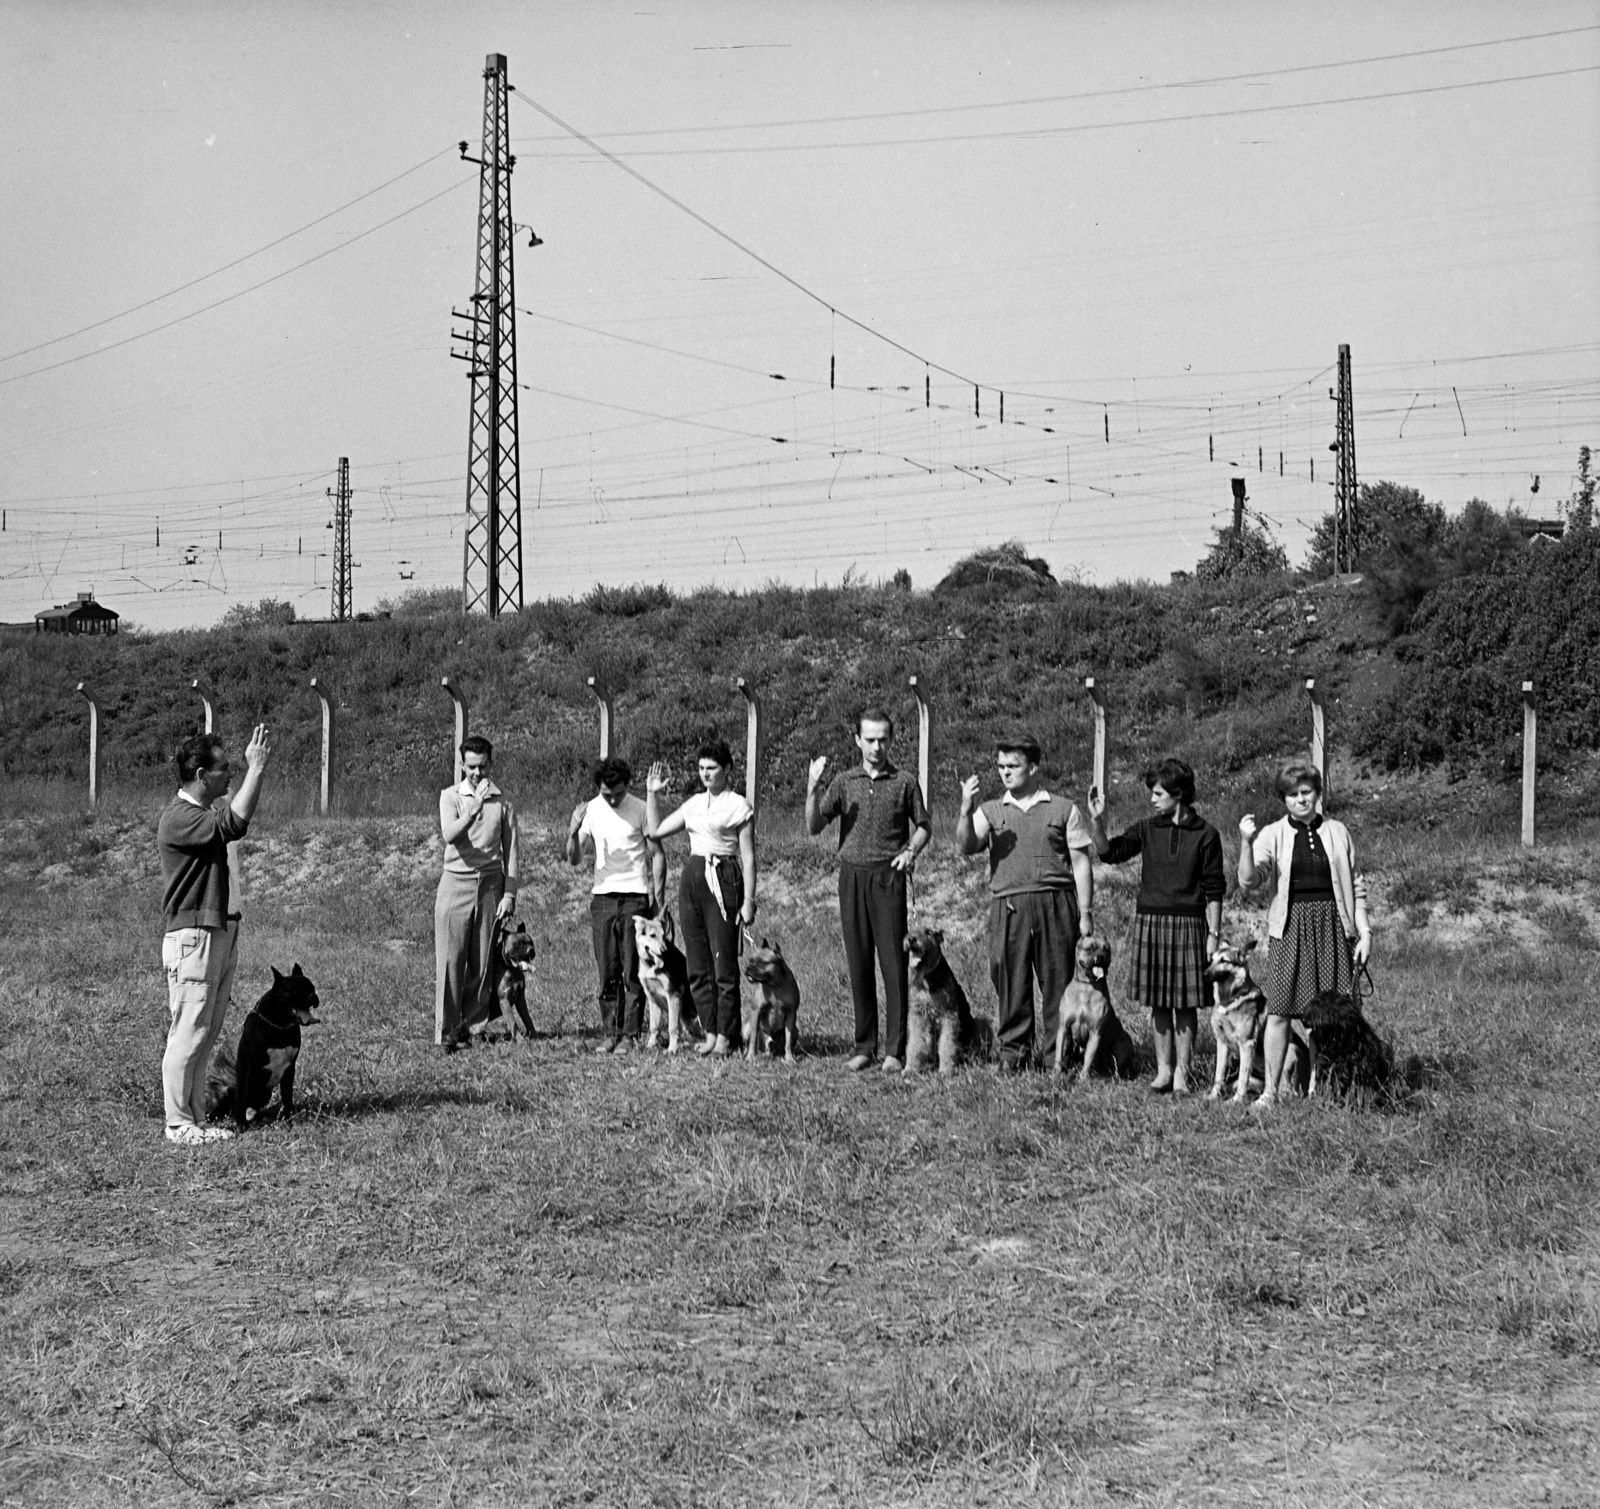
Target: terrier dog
(664, 974)
(241, 1083)
(779, 1007)
(1346, 1054)
(1088, 1021)
(1238, 1018)
(513, 968)
(940, 1023)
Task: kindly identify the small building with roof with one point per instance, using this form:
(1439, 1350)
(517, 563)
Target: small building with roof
(85, 616)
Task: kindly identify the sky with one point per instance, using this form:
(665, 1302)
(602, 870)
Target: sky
(794, 259)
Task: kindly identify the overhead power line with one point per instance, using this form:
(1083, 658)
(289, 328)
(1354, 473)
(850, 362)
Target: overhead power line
(56, 340)
(128, 340)
(1042, 133)
(1096, 94)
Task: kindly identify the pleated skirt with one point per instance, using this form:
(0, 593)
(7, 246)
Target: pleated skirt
(1169, 959)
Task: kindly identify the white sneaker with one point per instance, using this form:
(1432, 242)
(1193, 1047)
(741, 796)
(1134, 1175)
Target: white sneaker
(187, 1134)
(216, 1134)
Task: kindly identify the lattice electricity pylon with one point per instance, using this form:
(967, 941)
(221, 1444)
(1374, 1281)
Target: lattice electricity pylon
(1347, 535)
(491, 570)
(341, 542)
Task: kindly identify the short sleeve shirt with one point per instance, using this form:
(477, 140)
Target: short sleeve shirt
(713, 822)
(1030, 847)
(876, 814)
(621, 863)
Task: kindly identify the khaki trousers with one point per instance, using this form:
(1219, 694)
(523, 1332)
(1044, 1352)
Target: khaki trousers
(199, 963)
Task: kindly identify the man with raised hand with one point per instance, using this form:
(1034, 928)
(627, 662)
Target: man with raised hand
(1041, 885)
(630, 880)
(883, 827)
(200, 924)
(477, 888)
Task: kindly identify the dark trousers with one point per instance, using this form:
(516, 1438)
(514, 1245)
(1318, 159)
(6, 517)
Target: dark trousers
(1034, 935)
(872, 917)
(711, 943)
(616, 957)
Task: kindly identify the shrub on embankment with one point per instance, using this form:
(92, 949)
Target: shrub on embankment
(1211, 669)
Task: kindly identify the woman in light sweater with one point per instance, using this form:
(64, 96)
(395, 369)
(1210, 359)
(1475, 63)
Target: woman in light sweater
(1178, 914)
(717, 890)
(1317, 929)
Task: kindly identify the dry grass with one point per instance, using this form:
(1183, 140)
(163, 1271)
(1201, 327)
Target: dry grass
(528, 1276)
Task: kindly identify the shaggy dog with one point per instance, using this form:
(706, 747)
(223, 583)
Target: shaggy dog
(1346, 1054)
(664, 974)
(513, 968)
(940, 1021)
(775, 1015)
(1088, 1022)
(241, 1083)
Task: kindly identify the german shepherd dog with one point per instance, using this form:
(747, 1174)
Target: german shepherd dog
(1238, 1015)
(664, 975)
(241, 1083)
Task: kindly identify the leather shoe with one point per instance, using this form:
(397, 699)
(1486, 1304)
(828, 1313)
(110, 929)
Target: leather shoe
(859, 1062)
(892, 1065)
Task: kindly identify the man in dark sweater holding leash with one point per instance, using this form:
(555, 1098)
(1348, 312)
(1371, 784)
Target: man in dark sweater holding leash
(1041, 885)
(201, 925)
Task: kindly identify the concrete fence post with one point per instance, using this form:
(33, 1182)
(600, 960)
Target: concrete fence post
(1319, 741)
(325, 796)
(924, 741)
(1097, 695)
(209, 698)
(602, 696)
(752, 738)
(459, 697)
(94, 743)
(1530, 760)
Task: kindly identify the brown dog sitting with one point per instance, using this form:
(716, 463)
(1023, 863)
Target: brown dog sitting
(773, 1017)
(1238, 1015)
(1089, 1024)
(940, 1025)
(513, 968)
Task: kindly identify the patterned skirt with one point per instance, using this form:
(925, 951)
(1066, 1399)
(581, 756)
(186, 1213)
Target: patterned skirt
(1169, 961)
(1313, 955)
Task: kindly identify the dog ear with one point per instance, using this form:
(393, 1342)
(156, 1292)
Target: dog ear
(778, 951)
(1249, 943)
(297, 973)
(938, 937)
(277, 979)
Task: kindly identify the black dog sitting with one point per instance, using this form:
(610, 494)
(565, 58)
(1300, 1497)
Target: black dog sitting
(241, 1084)
(1346, 1054)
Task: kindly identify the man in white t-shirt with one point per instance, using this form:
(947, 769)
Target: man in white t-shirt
(630, 876)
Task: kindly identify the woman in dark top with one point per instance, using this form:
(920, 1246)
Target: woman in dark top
(1179, 911)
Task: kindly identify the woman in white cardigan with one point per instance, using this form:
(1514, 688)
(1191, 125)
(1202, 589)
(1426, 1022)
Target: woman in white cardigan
(1317, 929)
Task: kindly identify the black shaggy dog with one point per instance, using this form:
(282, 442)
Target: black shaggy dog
(1347, 1056)
(240, 1084)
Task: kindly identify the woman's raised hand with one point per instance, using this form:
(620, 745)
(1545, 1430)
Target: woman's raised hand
(659, 777)
(1247, 826)
(1097, 803)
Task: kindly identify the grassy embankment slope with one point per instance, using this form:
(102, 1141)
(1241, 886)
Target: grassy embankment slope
(527, 1275)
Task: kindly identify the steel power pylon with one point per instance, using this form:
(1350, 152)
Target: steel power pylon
(491, 572)
(1346, 526)
(341, 542)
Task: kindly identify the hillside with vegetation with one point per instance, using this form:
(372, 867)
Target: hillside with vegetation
(1420, 660)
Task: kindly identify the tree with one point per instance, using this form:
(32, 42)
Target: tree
(1580, 507)
(1394, 526)
(1255, 553)
(270, 612)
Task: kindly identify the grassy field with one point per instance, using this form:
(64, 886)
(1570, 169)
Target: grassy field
(525, 1275)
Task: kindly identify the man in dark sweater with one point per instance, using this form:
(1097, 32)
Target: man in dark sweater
(883, 826)
(1041, 886)
(201, 925)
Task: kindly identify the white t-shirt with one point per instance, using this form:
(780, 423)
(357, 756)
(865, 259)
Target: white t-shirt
(621, 862)
(713, 822)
